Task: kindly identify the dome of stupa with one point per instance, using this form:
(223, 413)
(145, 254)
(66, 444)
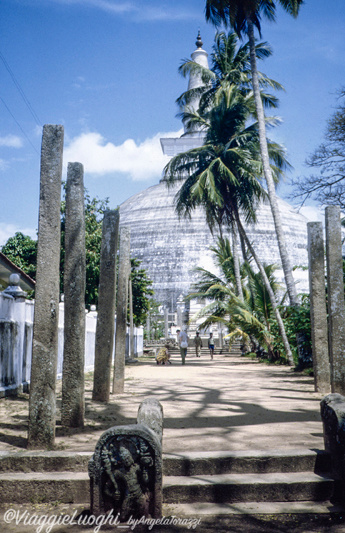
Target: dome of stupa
(170, 248)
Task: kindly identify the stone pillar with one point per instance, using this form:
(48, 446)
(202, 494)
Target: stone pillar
(166, 323)
(121, 312)
(336, 305)
(148, 327)
(104, 342)
(318, 311)
(42, 404)
(220, 337)
(179, 317)
(131, 323)
(72, 406)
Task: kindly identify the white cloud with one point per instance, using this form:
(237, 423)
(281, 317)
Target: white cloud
(139, 10)
(313, 213)
(141, 161)
(11, 141)
(106, 5)
(8, 230)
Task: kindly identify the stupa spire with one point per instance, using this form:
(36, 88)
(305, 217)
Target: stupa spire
(195, 79)
(198, 56)
(199, 42)
(195, 138)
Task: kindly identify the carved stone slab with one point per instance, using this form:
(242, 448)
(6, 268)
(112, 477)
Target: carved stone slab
(126, 473)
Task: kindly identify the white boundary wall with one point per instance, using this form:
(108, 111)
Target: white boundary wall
(16, 329)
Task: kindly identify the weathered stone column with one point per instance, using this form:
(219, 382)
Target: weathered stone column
(131, 322)
(336, 306)
(220, 336)
(179, 317)
(72, 406)
(104, 343)
(148, 327)
(121, 311)
(42, 404)
(166, 323)
(318, 311)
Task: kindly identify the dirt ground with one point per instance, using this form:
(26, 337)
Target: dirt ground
(230, 403)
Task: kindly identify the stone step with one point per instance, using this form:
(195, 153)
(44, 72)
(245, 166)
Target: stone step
(200, 509)
(226, 488)
(255, 461)
(44, 461)
(43, 487)
(179, 463)
(202, 478)
(73, 487)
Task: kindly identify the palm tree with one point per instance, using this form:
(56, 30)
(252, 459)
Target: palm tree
(209, 283)
(230, 65)
(248, 317)
(229, 144)
(243, 16)
(222, 174)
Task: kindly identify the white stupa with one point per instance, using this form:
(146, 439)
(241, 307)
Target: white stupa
(170, 248)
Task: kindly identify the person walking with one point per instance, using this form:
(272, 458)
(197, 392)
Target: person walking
(183, 343)
(211, 345)
(197, 344)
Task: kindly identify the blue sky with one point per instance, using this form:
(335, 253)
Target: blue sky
(107, 71)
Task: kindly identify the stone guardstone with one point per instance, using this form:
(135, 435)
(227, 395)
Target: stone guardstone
(126, 468)
(126, 473)
(333, 418)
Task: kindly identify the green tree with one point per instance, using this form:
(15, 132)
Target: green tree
(224, 172)
(243, 17)
(22, 251)
(249, 318)
(230, 65)
(297, 323)
(156, 321)
(142, 293)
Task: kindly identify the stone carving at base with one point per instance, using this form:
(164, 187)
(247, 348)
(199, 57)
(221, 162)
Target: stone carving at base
(126, 471)
(127, 479)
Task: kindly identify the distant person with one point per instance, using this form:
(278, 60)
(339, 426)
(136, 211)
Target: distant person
(211, 345)
(163, 356)
(197, 344)
(183, 344)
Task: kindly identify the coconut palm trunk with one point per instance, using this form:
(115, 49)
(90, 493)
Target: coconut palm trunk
(290, 283)
(236, 258)
(268, 288)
